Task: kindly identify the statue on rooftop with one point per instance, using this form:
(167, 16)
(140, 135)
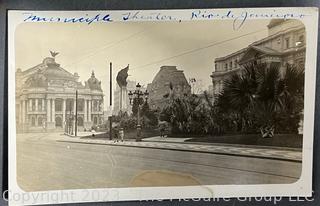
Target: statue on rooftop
(54, 54)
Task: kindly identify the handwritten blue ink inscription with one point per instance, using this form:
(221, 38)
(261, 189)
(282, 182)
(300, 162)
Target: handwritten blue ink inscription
(84, 19)
(239, 17)
(137, 15)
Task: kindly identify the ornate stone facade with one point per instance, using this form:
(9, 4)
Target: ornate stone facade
(285, 44)
(168, 76)
(45, 99)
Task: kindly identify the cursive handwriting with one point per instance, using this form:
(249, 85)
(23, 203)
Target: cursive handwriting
(240, 18)
(84, 19)
(137, 15)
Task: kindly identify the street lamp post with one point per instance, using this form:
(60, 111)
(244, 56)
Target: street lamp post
(71, 123)
(76, 116)
(137, 96)
(70, 119)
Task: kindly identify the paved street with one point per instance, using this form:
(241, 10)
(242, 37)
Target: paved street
(170, 144)
(46, 164)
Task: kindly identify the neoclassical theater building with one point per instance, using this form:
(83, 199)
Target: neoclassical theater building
(46, 99)
(285, 44)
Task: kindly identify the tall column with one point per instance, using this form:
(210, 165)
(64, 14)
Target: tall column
(85, 111)
(124, 101)
(36, 104)
(121, 100)
(63, 112)
(89, 111)
(23, 111)
(42, 105)
(20, 112)
(53, 111)
(48, 111)
(30, 105)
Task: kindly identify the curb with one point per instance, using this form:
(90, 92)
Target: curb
(187, 150)
(233, 145)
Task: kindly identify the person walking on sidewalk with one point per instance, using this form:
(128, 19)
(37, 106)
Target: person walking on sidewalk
(115, 132)
(44, 126)
(162, 128)
(121, 134)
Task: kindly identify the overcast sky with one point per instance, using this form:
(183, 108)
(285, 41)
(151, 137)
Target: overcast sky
(145, 46)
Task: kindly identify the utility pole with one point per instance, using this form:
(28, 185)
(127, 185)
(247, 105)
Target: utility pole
(76, 116)
(66, 126)
(70, 118)
(110, 118)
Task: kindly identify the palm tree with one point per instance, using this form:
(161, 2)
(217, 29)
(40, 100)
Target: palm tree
(262, 96)
(238, 96)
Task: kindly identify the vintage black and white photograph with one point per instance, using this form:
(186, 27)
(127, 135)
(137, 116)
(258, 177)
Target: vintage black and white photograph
(159, 104)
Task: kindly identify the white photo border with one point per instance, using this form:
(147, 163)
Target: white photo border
(303, 187)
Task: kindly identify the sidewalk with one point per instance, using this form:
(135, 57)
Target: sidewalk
(185, 141)
(83, 134)
(265, 153)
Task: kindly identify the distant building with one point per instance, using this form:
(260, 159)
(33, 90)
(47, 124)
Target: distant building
(285, 44)
(168, 76)
(45, 98)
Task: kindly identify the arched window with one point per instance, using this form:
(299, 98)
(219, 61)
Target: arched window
(40, 119)
(58, 121)
(80, 121)
(33, 121)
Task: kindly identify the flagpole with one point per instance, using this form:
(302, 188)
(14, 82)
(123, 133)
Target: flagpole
(110, 118)
(76, 116)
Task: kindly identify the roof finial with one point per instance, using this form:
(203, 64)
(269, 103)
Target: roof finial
(92, 74)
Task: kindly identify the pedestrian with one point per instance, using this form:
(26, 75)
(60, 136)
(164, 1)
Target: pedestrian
(121, 134)
(162, 128)
(115, 132)
(92, 131)
(44, 125)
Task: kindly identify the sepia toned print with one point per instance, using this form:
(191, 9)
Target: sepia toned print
(159, 104)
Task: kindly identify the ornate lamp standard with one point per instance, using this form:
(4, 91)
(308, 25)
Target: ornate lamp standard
(70, 119)
(138, 96)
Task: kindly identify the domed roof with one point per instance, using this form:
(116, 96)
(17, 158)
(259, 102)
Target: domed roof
(49, 73)
(37, 80)
(169, 74)
(54, 71)
(168, 79)
(93, 83)
(48, 60)
(275, 22)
